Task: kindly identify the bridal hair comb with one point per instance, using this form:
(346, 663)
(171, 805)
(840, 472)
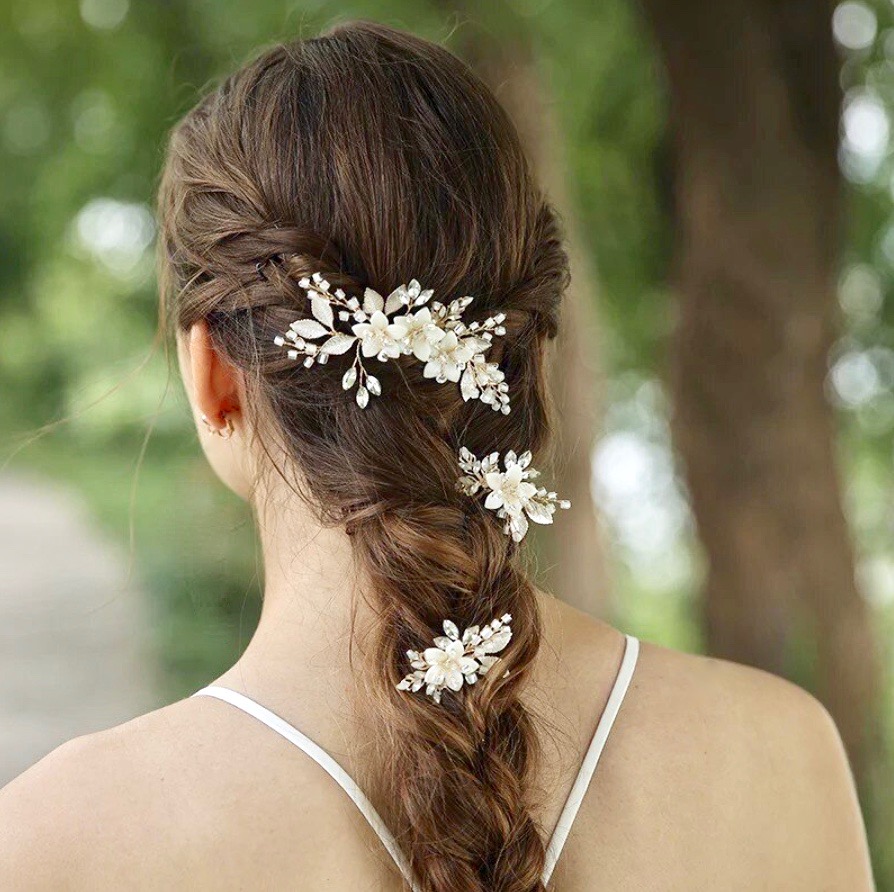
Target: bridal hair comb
(509, 491)
(456, 659)
(406, 322)
(409, 322)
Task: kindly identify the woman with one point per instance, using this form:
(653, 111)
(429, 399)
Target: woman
(362, 279)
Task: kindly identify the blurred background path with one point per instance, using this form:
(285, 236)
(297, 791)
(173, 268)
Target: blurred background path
(73, 653)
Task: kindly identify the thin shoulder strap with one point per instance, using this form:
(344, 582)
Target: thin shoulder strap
(588, 766)
(324, 760)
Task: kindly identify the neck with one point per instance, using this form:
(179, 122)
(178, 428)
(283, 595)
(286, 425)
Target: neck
(314, 621)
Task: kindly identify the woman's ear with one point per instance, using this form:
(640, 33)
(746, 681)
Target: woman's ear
(213, 388)
(212, 380)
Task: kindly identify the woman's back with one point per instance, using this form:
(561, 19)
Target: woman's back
(714, 776)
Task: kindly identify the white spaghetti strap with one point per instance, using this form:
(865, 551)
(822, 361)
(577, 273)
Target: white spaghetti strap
(347, 783)
(588, 766)
(324, 760)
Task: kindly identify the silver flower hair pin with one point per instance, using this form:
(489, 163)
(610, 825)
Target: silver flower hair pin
(509, 491)
(406, 322)
(456, 659)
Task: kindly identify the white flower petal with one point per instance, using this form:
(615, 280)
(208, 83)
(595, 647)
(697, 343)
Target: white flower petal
(397, 331)
(454, 679)
(421, 349)
(494, 479)
(493, 501)
(514, 475)
(452, 371)
(435, 675)
(526, 491)
(455, 650)
(467, 665)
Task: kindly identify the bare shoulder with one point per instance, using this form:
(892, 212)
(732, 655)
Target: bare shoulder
(758, 754)
(70, 820)
(163, 801)
(736, 773)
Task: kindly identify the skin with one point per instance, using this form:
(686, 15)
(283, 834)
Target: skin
(716, 776)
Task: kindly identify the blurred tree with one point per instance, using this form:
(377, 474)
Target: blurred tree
(754, 101)
(579, 571)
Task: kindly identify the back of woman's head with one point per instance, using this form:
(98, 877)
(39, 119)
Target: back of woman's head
(374, 157)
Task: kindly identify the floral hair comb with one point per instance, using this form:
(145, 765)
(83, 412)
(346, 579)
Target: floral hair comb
(409, 322)
(456, 659)
(406, 322)
(509, 491)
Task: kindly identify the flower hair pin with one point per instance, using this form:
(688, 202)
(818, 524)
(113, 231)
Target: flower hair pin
(406, 322)
(508, 491)
(456, 659)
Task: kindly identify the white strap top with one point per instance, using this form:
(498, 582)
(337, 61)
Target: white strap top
(347, 783)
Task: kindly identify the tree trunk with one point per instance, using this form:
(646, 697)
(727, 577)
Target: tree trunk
(577, 567)
(754, 102)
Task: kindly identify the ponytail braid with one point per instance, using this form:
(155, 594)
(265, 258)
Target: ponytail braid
(465, 816)
(374, 157)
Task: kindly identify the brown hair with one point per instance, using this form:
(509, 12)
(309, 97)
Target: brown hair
(375, 157)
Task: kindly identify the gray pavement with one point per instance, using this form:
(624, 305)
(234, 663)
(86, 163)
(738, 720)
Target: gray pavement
(73, 630)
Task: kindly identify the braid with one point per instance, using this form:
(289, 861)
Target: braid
(287, 171)
(465, 816)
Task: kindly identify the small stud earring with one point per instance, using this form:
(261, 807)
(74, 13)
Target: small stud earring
(224, 432)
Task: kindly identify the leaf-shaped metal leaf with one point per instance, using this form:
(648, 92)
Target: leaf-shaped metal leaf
(322, 310)
(497, 641)
(539, 512)
(337, 344)
(395, 300)
(372, 301)
(308, 328)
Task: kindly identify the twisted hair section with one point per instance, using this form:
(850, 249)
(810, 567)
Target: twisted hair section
(374, 157)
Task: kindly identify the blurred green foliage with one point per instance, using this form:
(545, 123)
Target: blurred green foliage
(88, 91)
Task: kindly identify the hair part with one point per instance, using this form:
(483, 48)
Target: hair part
(373, 157)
